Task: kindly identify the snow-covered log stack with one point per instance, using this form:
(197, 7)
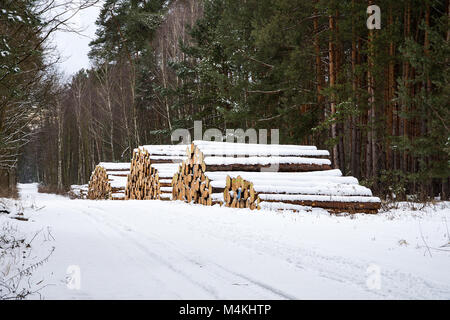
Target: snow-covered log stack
(240, 193)
(197, 179)
(239, 175)
(163, 176)
(79, 191)
(108, 181)
(152, 170)
(191, 184)
(324, 189)
(139, 181)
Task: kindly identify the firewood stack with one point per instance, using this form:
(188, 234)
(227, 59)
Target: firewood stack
(152, 169)
(108, 181)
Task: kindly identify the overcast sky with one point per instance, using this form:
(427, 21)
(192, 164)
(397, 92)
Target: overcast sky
(73, 48)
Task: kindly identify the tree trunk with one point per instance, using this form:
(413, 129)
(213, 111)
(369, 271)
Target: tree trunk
(372, 155)
(354, 154)
(340, 126)
(332, 82)
(59, 119)
(406, 72)
(390, 131)
(319, 75)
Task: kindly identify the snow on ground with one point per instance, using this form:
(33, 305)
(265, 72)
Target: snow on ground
(172, 250)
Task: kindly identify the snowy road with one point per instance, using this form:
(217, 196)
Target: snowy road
(167, 250)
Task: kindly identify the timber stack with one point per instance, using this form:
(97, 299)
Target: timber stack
(79, 191)
(202, 177)
(268, 176)
(108, 181)
(302, 190)
(152, 170)
(240, 193)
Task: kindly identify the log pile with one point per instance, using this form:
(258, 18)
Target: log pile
(191, 184)
(279, 176)
(108, 181)
(152, 170)
(79, 191)
(324, 189)
(139, 184)
(240, 193)
(201, 178)
(164, 174)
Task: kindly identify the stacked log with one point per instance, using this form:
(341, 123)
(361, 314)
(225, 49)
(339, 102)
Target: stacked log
(163, 175)
(191, 184)
(152, 169)
(140, 184)
(240, 193)
(79, 191)
(223, 156)
(324, 189)
(197, 182)
(269, 176)
(108, 181)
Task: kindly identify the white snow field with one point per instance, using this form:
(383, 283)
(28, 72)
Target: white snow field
(173, 250)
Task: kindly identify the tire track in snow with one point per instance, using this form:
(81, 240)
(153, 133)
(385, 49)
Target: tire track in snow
(130, 257)
(232, 277)
(155, 257)
(74, 212)
(351, 272)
